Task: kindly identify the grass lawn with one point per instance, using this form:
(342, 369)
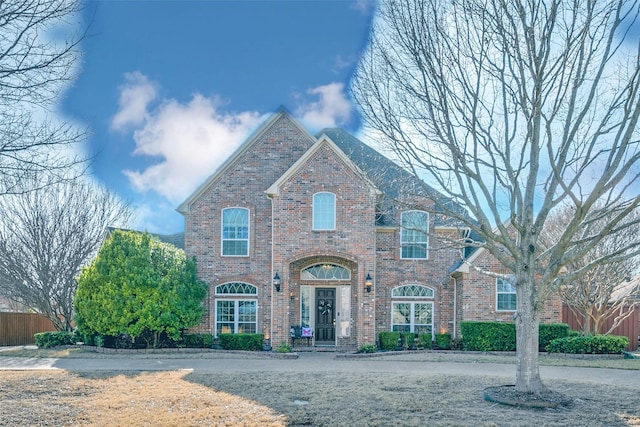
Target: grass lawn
(301, 398)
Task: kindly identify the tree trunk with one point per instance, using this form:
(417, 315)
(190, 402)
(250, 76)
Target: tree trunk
(527, 322)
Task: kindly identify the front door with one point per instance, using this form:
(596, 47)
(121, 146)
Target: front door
(325, 316)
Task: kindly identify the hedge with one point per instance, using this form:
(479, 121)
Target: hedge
(251, 342)
(389, 340)
(196, 341)
(53, 339)
(589, 344)
(501, 336)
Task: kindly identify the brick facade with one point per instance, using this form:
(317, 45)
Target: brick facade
(274, 175)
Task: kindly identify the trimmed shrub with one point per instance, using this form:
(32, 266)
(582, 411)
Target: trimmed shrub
(250, 342)
(367, 348)
(551, 331)
(589, 344)
(389, 340)
(501, 336)
(196, 341)
(425, 341)
(53, 339)
(488, 336)
(443, 341)
(408, 339)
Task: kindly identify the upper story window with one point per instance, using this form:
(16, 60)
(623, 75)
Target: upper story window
(505, 294)
(324, 211)
(413, 235)
(235, 232)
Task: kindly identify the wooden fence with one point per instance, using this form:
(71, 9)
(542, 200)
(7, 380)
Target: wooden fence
(629, 328)
(19, 328)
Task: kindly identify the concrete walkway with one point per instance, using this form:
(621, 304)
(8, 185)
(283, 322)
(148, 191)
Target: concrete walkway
(320, 363)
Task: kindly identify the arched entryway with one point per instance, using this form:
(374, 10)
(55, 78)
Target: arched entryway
(323, 298)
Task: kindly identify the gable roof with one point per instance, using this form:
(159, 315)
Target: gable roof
(323, 141)
(244, 147)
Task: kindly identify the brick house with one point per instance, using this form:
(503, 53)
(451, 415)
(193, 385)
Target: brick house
(325, 232)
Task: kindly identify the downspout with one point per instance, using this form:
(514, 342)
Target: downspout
(271, 315)
(455, 306)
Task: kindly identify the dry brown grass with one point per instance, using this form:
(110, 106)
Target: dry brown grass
(186, 398)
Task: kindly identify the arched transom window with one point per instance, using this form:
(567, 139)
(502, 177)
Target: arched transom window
(236, 309)
(412, 291)
(325, 272)
(236, 288)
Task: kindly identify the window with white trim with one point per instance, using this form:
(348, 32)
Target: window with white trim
(414, 240)
(324, 211)
(409, 311)
(505, 294)
(235, 232)
(236, 308)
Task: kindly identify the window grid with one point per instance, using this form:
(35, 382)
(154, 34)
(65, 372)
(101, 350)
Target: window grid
(413, 291)
(413, 235)
(324, 211)
(505, 295)
(325, 272)
(235, 232)
(236, 288)
(236, 317)
(416, 317)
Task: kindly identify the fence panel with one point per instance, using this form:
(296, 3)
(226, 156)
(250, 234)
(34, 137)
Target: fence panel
(19, 328)
(629, 328)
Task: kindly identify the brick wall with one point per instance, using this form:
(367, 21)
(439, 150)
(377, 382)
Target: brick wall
(243, 183)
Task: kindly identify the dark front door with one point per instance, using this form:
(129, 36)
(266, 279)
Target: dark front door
(325, 315)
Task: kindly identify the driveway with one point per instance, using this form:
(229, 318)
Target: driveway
(320, 363)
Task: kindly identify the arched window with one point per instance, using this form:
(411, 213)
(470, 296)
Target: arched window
(235, 232)
(236, 308)
(413, 235)
(324, 211)
(325, 272)
(412, 291)
(408, 313)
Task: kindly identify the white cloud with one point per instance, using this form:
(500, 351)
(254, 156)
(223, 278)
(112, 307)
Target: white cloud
(191, 140)
(332, 109)
(135, 96)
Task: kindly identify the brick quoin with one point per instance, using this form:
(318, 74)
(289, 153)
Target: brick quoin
(274, 175)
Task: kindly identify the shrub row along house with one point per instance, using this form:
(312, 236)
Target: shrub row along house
(326, 233)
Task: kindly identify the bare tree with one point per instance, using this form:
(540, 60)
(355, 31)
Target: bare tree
(45, 238)
(511, 109)
(606, 289)
(35, 66)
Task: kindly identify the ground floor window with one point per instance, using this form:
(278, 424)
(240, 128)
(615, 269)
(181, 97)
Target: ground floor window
(410, 316)
(236, 316)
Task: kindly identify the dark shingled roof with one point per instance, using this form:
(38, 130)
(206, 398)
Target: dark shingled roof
(388, 176)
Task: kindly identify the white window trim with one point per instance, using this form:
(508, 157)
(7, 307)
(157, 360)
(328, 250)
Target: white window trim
(402, 233)
(313, 213)
(222, 239)
(235, 320)
(505, 293)
(413, 302)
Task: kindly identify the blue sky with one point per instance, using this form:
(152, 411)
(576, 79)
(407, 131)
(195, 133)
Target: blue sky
(168, 89)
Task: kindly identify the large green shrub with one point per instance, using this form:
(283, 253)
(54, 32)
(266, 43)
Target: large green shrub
(53, 339)
(589, 344)
(549, 332)
(501, 336)
(389, 340)
(425, 341)
(138, 287)
(250, 342)
(488, 336)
